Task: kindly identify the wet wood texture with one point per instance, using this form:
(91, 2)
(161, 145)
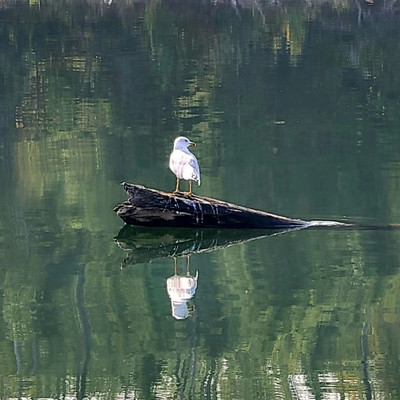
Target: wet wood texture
(154, 208)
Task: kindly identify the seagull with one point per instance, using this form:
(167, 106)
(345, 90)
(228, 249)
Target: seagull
(183, 163)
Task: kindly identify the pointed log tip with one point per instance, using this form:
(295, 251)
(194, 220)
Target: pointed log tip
(130, 185)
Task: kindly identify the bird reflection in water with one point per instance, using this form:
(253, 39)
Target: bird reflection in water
(181, 288)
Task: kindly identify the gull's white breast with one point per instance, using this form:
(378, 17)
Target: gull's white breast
(184, 165)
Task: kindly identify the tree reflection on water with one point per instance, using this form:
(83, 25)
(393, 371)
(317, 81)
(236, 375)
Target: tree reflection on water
(296, 107)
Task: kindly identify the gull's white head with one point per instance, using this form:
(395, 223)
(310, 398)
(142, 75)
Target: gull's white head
(182, 143)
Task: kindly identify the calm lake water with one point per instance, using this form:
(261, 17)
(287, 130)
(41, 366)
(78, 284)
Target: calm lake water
(295, 107)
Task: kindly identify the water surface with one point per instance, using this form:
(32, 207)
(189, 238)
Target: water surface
(295, 110)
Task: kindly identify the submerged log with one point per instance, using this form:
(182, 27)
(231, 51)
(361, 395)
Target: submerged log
(149, 207)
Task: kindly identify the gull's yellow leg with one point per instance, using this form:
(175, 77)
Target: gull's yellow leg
(190, 188)
(177, 185)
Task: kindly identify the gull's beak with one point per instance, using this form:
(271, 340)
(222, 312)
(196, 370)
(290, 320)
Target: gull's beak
(192, 144)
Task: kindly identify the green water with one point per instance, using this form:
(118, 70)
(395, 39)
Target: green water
(295, 110)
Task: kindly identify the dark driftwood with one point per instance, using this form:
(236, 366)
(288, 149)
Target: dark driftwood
(149, 207)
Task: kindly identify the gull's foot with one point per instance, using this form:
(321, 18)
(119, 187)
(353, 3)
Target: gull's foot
(188, 194)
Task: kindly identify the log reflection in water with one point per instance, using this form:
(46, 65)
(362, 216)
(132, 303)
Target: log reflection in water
(146, 244)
